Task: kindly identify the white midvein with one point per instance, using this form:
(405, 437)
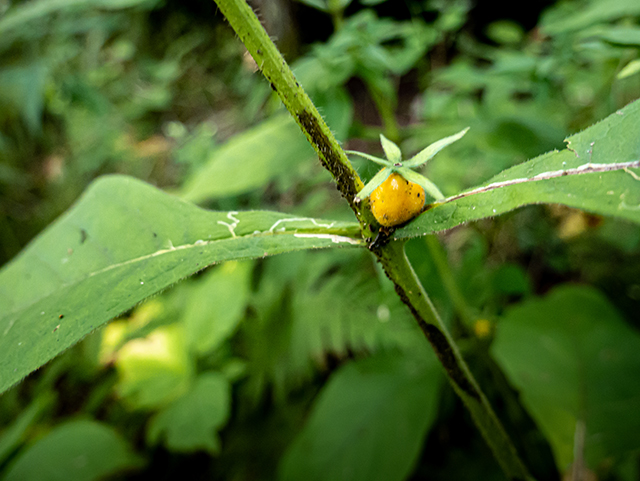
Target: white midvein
(583, 169)
(336, 239)
(197, 244)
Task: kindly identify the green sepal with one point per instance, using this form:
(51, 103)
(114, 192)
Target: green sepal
(395, 164)
(391, 150)
(426, 154)
(428, 186)
(377, 160)
(374, 183)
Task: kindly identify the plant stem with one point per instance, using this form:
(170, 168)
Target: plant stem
(391, 255)
(336, 11)
(275, 69)
(408, 286)
(386, 111)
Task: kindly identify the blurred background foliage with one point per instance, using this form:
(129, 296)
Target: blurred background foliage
(307, 366)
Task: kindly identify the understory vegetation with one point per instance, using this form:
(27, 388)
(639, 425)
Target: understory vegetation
(185, 293)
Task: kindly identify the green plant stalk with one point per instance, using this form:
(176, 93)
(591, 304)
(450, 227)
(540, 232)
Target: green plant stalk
(270, 61)
(386, 112)
(392, 257)
(398, 268)
(439, 257)
(336, 12)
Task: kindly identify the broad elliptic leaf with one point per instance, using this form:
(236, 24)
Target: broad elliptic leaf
(122, 242)
(598, 172)
(192, 421)
(574, 360)
(368, 423)
(250, 160)
(80, 450)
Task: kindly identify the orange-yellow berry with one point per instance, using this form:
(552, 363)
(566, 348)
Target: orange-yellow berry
(396, 201)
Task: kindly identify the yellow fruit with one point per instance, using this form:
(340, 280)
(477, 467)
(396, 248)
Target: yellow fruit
(396, 201)
(482, 328)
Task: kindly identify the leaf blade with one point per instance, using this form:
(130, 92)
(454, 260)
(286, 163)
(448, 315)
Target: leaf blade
(574, 359)
(249, 160)
(191, 423)
(368, 423)
(616, 193)
(102, 451)
(122, 242)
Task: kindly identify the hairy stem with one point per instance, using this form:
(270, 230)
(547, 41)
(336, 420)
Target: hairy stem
(275, 69)
(410, 290)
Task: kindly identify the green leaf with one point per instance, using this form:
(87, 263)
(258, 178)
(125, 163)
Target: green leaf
(325, 68)
(250, 160)
(336, 106)
(17, 18)
(429, 187)
(121, 243)
(305, 309)
(613, 139)
(217, 305)
(319, 4)
(630, 69)
(613, 193)
(384, 45)
(13, 435)
(505, 32)
(22, 88)
(511, 279)
(426, 154)
(79, 450)
(192, 421)
(595, 11)
(368, 423)
(574, 359)
(391, 150)
(374, 183)
(621, 35)
(338, 5)
(377, 160)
